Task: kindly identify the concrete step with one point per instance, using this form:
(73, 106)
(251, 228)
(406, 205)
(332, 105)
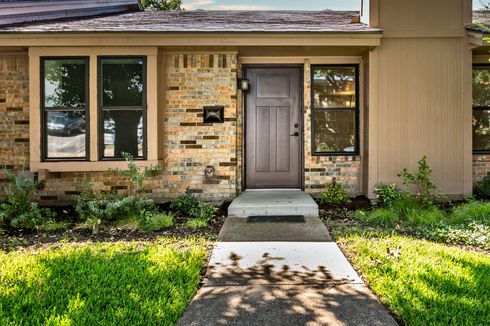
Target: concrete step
(273, 202)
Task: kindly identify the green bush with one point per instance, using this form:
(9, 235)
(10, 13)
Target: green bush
(427, 190)
(425, 217)
(188, 205)
(387, 194)
(334, 194)
(471, 212)
(380, 217)
(195, 223)
(19, 211)
(473, 234)
(482, 188)
(153, 221)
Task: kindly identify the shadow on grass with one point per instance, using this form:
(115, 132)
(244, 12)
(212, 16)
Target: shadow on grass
(101, 285)
(429, 283)
(265, 295)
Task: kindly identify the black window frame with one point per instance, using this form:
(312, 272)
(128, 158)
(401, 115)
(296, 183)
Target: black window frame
(356, 110)
(101, 109)
(44, 110)
(477, 108)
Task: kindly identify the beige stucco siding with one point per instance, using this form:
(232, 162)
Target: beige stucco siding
(420, 104)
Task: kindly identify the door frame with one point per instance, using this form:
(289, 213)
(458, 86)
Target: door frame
(301, 68)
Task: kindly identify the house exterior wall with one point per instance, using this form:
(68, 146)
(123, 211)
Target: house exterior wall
(420, 94)
(14, 110)
(193, 81)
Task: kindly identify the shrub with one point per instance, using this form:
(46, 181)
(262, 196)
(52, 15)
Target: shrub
(388, 194)
(380, 217)
(471, 212)
(335, 194)
(482, 188)
(428, 217)
(195, 223)
(427, 190)
(187, 204)
(152, 221)
(473, 234)
(135, 174)
(19, 211)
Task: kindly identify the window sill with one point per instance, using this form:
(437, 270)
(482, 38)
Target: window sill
(100, 166)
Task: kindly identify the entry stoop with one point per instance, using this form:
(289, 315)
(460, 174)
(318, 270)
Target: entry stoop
(273, 202)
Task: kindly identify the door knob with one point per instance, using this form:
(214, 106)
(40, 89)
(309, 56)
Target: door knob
(296, 134)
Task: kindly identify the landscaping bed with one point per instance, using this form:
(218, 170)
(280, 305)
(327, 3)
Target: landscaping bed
(85, 283)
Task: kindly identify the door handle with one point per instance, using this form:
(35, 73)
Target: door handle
(296, 134)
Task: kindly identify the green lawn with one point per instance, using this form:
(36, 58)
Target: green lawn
(140, 283)
(425, 283)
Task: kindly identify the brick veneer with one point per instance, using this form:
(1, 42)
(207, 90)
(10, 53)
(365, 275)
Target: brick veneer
(14, 111)
(481, 167)
(194, 81)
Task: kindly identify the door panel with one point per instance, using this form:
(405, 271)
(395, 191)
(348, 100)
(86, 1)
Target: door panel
(273, 116)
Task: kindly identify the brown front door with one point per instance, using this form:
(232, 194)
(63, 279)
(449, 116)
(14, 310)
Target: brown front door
(273, 128)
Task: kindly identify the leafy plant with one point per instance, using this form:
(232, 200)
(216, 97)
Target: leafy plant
(195, 223)
(153, 221)
(19, 211)
(335, 194)
(474, 211)
(187, 204)
(427, 190)
(482, 188)
(388, 194)
(381, 217)
(136, 174)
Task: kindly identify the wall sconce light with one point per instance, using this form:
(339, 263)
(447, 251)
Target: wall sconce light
(244, 84)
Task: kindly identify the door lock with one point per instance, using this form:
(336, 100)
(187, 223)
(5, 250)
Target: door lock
(296, 125)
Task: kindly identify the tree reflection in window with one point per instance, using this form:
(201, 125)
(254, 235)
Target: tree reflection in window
(481, 109)
(123, 106)
(64, 105)
(334, 109)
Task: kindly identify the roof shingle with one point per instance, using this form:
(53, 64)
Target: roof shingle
(326, 21)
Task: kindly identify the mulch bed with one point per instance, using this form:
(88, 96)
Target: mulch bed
(15, 239)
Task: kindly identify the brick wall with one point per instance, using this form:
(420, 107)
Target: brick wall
(481, 166)
(192, 82)
(320, 170)
(14, 111)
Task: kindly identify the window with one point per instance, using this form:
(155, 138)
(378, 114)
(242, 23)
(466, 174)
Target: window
(122, 103)
(64, 106)
(481, 109)
(335, 110)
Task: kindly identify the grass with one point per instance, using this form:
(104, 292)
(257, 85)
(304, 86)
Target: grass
(101, 283)
(426, 283)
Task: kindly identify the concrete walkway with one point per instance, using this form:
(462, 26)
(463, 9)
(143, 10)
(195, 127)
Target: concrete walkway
(283, 283)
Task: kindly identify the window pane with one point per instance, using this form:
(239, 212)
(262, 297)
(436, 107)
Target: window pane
(334, 131)
(122, 82)
(481, 86)
(481, 130)
(123, 132)
(334, 87)
(64, 83)
(65, 134)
